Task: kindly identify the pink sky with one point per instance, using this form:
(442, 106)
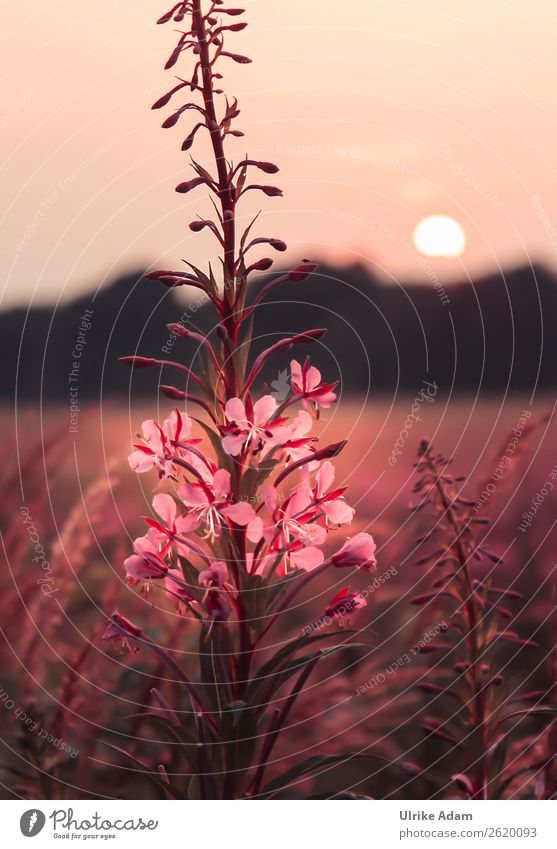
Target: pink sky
(378, 115)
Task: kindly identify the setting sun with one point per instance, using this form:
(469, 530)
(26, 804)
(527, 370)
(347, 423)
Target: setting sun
(439, 235)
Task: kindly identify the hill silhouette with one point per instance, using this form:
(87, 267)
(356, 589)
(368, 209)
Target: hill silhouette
(491, 334)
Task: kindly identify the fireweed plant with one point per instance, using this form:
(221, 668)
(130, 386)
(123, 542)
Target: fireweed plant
(478, 710)
(253, 495)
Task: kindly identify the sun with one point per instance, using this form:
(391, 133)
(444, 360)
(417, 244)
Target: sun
(439, 235)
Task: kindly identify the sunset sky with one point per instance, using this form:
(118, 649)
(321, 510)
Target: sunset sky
(378, 113)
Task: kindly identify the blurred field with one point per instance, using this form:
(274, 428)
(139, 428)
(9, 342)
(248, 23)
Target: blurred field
(471, 431)
(86, 505)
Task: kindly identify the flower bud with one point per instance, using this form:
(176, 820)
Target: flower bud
(178, 329)
(120, 621)
(261, 265)
(200, 223)
(171, 121)
(302, 271)
(236, 57)
(138, 362)
(119, 629)
(344, 603)
(358, 552)
(174, 56)
(267, 167)
(172, 392)
(271, 191)
(168, 15)
(162, 101)
(182, 188)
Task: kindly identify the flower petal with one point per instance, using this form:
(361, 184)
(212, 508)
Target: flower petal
(307, 558)
(138, 569)
(165, 506)
(255, 529)
(192, 496)
(296, 375)
(233, 444)
(241, 513)
(152, 435)
(358, 551)
(235, 410)
(312, 378)
(264, 409)
(301, 425)
(338, 512)
(187, 524)
(324, 478)
(221, 484)
(141, 462)
(298, 502)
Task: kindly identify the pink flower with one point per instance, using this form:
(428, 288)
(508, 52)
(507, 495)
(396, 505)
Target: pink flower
(344, 603)
(332, 503)
(292, 528)
(216, 599)
(218, 607)
(306, 557)
(165, 506)
(211, 506)
(306, 381)
(358, 551)
(145, 564)
(176, 590)
(119, 629)
(215, 576)
(298, 442)
(250, 428)
(162, 444)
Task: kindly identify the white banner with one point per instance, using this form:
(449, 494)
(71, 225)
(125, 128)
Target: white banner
(266, 825)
